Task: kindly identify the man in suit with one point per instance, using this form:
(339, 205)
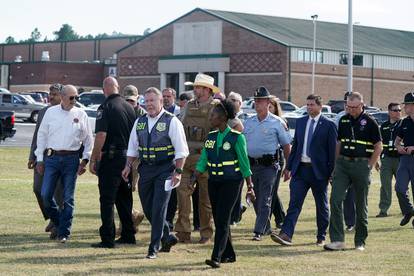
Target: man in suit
(310, 164)
(54, 99)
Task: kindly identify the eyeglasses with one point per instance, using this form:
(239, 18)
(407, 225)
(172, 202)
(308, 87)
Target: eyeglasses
(396, 110)
(353, 107)
(74, 98)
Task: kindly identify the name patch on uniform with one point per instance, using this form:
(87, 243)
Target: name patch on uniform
(209, 144)
(226, 146)
(140, 126)
(161, 127)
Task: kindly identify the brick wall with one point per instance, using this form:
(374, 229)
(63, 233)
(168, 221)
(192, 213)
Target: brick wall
(141, 83)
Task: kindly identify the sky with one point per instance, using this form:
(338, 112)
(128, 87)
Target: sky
(18, 18)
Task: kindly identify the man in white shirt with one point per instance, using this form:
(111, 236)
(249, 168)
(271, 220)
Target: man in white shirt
(169, 96)
(62, 132)
(159, 141)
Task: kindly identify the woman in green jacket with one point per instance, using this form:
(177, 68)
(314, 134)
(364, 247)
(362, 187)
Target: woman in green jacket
(224, 156)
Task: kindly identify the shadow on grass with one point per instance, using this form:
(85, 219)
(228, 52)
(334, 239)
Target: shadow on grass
(194, 268)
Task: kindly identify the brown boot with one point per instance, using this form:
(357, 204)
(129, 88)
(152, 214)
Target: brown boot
(184, 237)
(137, 218)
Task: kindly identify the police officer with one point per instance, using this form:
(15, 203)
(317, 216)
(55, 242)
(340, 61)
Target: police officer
(196, 127)
(405, 173)
(359, 146)
(158, 140)
(389, 157)
(265, 134)
(114, 121)
(225, 157)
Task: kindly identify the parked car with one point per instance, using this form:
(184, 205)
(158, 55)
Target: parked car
(7, 129)
(380, 117)
(371, 109)
(91, 98)
(288, 106)
(22, 107)
(4, 90)
(248, 106)
(336, 105)
(303, 110)
(36, 96)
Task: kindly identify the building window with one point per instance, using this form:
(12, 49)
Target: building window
(306, 56)
(358, 60)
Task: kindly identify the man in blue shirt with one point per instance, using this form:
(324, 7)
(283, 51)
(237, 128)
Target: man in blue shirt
(265, 134)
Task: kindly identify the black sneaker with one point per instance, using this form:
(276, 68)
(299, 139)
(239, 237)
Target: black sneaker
(257, 237)
(102, 245)
(349, 228)
(126, 241)
(381, 215)
(212, 263)
(170, 242)
(151, 256)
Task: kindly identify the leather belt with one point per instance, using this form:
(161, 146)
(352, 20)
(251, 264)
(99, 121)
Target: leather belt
(306, 164)
(65, 152)
(348, 158)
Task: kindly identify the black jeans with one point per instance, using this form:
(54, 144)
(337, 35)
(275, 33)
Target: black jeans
(114, 190)
(223, 196)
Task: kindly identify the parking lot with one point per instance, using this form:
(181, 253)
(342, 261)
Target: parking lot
(23, 136)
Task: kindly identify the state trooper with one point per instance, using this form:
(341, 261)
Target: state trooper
(359, 146)
(389, 157)
(158, 140)
(405, 173)
(265, 134)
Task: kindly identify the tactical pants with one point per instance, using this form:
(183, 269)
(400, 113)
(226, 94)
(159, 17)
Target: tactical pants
(405, 174)
(184, 193)
(357, 174)
(389, 167)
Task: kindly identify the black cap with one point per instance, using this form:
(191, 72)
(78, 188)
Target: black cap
(262, 93)
(409, 98)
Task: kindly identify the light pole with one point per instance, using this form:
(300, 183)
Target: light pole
(314, 18)
(350, 46)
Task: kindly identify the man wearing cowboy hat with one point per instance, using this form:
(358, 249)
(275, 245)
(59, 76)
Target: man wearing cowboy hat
(405, 172)
(196, 127)
(265, 134)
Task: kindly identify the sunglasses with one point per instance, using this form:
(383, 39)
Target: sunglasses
(74, 98)
(396, 110)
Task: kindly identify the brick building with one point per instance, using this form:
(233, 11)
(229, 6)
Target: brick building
(84, 63)
(243, 51)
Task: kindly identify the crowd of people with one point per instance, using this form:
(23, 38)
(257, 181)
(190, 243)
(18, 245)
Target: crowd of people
(196, 154)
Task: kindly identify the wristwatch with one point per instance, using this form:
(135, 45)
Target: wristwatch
(178, 170)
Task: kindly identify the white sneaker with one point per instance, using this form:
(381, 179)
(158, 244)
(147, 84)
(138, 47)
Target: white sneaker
(63, 240)
(360, 247)
(334, 246)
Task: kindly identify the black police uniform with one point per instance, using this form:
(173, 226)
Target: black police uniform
(389, 164)
(405, 172)
(358, 137)
(116, 117)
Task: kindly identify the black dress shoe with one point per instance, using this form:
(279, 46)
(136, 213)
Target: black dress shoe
(151, 256)
(102, 245)
(228, 260)
(170, 242)
(125, 241)
(213, 263)
(406, 219)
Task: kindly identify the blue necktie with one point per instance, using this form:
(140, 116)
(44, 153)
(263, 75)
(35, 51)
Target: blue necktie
(310, 134)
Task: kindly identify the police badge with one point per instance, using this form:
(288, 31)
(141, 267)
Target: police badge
(226, 146)
(161, 127)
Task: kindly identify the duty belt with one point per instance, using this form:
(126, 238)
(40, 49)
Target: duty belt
(265, 160)
(349, 158)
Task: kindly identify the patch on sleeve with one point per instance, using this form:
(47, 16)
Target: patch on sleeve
(99, 114)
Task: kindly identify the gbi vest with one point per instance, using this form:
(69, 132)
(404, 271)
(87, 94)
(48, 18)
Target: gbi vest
(222, 162)
(155, 147)
(196, 124)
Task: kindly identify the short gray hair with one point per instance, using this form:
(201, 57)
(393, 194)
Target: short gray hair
(154, 90)
(235, 95)
(172, 90)
(355, 96)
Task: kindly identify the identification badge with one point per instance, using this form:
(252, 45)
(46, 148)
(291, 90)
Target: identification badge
(226, 146)
(161, 127)
(49, 152)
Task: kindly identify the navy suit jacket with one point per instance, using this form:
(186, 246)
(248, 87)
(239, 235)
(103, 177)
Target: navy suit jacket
(322, 147)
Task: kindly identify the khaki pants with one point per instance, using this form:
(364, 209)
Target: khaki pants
(184, 193)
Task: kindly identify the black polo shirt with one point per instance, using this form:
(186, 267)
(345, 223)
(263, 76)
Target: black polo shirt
(358, 134)
(406, 131)
(389, 133)
(116, 117)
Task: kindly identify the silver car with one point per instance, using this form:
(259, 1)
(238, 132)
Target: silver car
(22, 107)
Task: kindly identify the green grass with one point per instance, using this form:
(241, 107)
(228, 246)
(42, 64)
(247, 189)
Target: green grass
(26, 249)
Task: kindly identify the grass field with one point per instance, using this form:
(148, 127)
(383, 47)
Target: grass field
(26, 249)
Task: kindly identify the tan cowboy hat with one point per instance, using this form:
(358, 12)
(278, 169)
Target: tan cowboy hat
(205, 81)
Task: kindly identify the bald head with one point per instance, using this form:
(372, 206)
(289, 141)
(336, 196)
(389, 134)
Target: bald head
(110, 86)
(69, 89)
(68, 96)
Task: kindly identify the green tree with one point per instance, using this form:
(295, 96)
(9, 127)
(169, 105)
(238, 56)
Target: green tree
(35, 35)
(10, 40)
(66, 32)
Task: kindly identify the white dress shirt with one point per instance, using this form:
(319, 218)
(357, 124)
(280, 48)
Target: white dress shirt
(64, 130)
(175, 132)
(305, 158)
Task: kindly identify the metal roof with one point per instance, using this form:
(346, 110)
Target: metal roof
(333, 36)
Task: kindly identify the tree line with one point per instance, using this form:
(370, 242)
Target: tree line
(66, 32)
